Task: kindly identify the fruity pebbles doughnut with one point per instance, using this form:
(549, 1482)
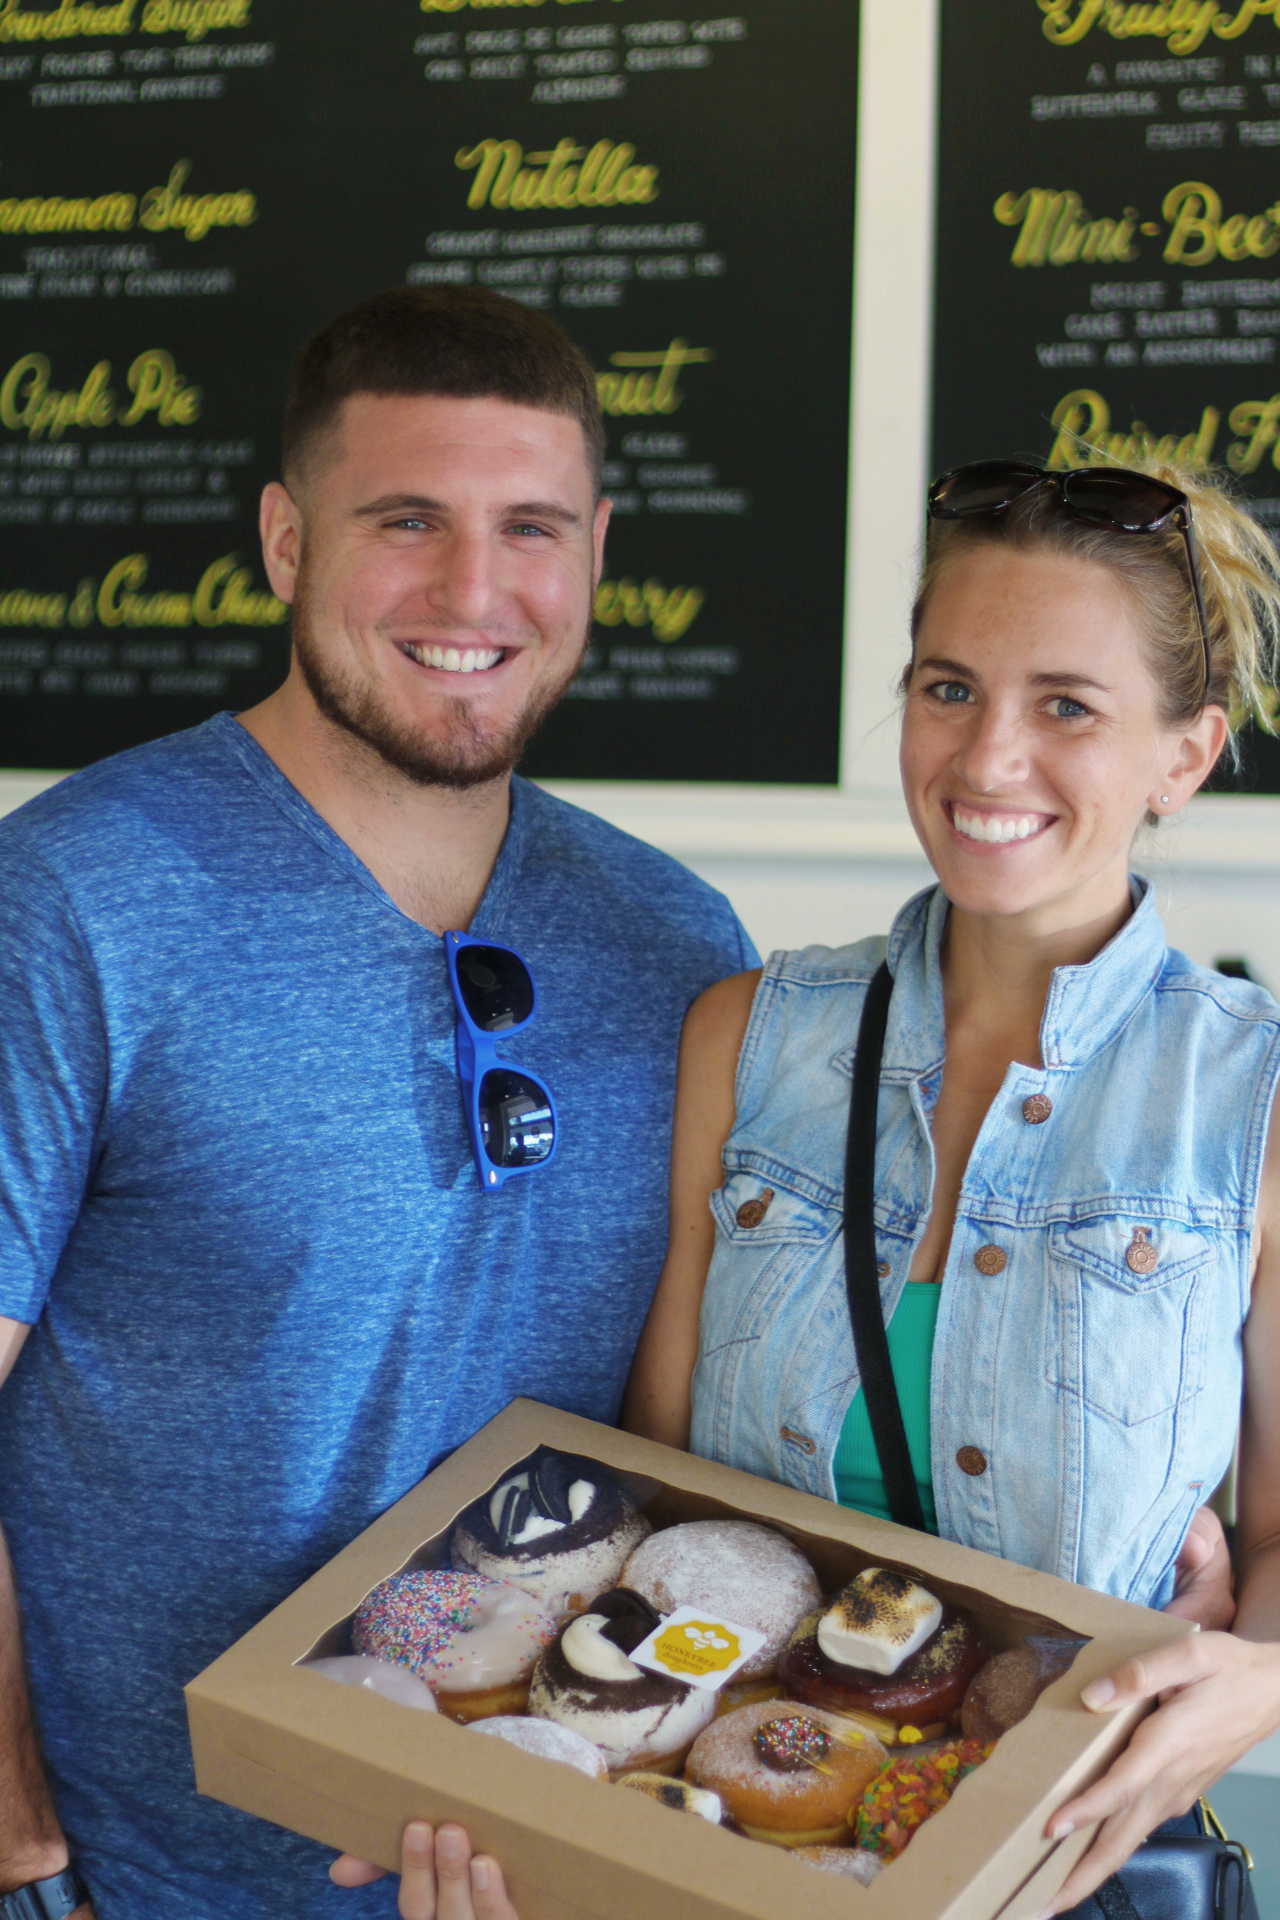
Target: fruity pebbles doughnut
(910, 1791)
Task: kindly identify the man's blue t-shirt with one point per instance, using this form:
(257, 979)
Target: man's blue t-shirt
(237, 1194)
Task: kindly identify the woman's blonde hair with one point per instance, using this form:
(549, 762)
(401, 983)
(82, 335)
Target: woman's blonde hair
(1239, 576)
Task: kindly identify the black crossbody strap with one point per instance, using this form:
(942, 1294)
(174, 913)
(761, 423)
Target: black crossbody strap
(870, 1341)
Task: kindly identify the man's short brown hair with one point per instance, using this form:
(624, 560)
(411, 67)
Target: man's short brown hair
(463, 343)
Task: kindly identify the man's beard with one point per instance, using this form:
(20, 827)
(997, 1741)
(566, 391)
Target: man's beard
(459, 754)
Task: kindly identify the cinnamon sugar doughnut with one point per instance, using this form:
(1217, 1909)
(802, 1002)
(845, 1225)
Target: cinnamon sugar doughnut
(742, 1571)
(786, 1773)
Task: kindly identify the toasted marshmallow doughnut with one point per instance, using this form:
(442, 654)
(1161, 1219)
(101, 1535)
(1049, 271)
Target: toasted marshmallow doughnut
(639, 1720)
(786, 1773)
(743, 1572)
(923, 1690)
(559, 1528)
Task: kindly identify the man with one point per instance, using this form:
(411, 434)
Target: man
(251, 1285)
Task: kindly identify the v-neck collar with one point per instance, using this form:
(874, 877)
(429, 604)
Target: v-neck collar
(280, 790)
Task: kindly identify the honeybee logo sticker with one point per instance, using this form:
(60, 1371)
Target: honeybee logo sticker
(696, 1647)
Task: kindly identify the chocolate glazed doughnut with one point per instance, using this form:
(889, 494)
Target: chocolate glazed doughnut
(925, 1653)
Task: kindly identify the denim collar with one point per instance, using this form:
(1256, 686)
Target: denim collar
(1085, 1008)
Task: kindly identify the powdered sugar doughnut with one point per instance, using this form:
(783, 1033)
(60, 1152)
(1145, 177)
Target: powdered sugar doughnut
(548, 1741)
(746, 1573)
(787, 1773)
(472, 1640)
(854, 1863)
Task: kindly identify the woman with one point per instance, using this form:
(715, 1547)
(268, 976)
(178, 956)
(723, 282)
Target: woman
(1077, 1212)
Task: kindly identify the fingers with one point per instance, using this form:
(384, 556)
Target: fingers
(1150, 1674)
(439, 1880)
(1112, 1845)
(348, 1871)
(418, 1864)
(489, 1891)
(1203, 1575)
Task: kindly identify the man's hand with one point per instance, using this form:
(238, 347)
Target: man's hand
(439, 1880)
(1202, 1574)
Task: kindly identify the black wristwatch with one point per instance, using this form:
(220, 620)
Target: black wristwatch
(45, 1899)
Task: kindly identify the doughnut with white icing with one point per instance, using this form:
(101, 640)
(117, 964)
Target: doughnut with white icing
(677, 1794)
(376, 1676)
(584, 1680)
(559, 1527)
(741, 1571)
(472, 1640)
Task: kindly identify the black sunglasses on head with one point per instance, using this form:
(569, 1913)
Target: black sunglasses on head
(1111, 497)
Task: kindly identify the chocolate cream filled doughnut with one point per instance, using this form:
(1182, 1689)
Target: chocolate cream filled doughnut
(472, 1640)
(885, 1648)
(560, 1529)
(743, 1572)
(639, 1720)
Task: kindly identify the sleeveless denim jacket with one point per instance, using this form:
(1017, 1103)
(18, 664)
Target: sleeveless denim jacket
(1087, 1365)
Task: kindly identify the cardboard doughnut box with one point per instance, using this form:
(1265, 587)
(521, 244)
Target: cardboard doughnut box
(349, 1768)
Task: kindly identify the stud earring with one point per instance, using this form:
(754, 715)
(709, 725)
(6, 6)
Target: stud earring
(1164, 799)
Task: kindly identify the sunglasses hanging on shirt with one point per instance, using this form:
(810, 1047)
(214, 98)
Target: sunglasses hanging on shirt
(511, 1116)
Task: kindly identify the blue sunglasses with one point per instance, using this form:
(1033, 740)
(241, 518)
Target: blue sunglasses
(510, 1116)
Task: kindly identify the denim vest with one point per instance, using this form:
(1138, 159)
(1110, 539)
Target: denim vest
(1087, 1367)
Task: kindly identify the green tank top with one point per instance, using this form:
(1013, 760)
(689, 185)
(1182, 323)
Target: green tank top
(859, 1481)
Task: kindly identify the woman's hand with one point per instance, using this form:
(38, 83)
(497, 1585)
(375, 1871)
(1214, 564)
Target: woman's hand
(1218, 1696)
(439, 1879)
(1202, 1575)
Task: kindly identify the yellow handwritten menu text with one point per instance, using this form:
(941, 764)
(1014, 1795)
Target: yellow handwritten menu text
(224, 596)
(456, 6)
(164, 209)
(566, 176)
(639, 384)
(1183, 24)
(1055, 229)
(669, 612)
(71, 20)
(1084, 438)
(30, 405)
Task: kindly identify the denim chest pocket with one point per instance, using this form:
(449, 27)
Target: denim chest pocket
(1125, 1329)
(761, 1210)
(772, 1246)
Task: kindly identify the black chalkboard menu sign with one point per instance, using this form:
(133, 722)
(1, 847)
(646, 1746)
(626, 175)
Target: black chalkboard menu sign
(1108, 251)
(189, 187)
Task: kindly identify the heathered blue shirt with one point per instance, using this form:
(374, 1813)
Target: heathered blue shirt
(237, 1195)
